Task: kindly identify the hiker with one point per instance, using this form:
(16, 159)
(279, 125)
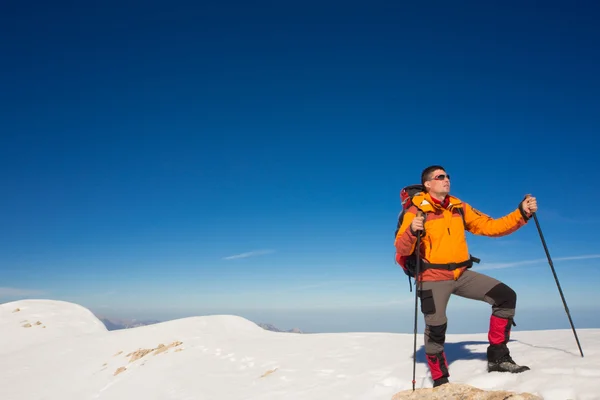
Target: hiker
(445, 263)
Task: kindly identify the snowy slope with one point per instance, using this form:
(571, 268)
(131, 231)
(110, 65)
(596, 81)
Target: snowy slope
(227, 357)
(30, 323)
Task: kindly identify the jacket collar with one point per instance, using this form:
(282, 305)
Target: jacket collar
(426, 203)
(443, 204)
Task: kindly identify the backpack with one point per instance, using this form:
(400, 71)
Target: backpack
(409, 263)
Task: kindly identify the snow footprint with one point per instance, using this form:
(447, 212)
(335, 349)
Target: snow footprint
(229, 356)
(572, 371)
(391, 382)
(588, 372)
(324, 372)
(247, 362)
(329, 372)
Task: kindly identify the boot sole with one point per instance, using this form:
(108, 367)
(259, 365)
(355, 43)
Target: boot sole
(515, 371)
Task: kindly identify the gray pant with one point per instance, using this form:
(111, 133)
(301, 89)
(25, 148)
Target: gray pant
(471, 285)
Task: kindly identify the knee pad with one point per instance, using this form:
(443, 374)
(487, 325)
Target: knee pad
(503, 296)
(437, 334)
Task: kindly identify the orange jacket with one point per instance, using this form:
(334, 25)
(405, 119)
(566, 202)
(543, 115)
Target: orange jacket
(444, 240)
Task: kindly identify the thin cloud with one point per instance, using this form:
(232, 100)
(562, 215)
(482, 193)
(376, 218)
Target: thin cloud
(537, 261)
(249, 254)
(18, 292)
(554, 215)
(293, 289)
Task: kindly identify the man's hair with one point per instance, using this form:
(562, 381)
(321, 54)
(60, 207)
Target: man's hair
(425, 175)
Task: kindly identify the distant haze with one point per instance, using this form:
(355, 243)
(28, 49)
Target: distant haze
(399, 320)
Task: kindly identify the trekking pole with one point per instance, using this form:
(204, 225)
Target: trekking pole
(556, 279)
(417, 270)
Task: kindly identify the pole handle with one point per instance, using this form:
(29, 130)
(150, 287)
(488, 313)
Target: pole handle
(419, 215)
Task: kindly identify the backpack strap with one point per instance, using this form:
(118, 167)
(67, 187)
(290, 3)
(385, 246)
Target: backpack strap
(451, 266)
(461, 211)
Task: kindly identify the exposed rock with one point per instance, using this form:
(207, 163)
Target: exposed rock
(16, 310)
(27, 325)
(140, 353)
(119, 370)
(136, 355)
(269, 372)
(457, 391)
(162, 348)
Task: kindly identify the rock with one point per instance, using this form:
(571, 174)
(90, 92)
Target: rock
(140, 353)
(457, 391)
(162, 348)
(136, 355)
(269, 372)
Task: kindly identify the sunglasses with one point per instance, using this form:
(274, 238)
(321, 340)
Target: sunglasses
(441, 177)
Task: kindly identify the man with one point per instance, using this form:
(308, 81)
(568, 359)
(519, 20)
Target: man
(445, 260)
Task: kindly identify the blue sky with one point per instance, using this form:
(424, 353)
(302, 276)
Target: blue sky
(161, 160)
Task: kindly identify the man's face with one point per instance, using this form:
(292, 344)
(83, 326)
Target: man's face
(439, 182)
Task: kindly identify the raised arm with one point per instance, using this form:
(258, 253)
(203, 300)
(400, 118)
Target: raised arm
(479, 223)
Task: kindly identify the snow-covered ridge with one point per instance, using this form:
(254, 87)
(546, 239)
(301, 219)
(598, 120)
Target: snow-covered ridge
(69, 355)
(33, 322)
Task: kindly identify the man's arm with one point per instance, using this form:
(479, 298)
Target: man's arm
(406, 238)
(479, 223)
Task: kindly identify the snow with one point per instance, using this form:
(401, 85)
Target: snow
(70, 355)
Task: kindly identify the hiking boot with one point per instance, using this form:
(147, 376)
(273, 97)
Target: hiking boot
(439, 382)
(506, 364)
